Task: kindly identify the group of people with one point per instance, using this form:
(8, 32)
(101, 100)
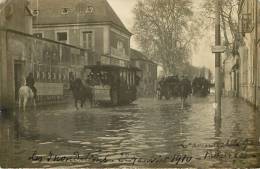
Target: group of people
(175, 86)
(201, 86)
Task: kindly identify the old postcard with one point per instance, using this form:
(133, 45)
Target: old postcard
(129, 83)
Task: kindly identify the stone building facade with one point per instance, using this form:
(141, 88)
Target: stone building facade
(148, 74)
(249, 21)
(15, 15)
(87, 24)
(231, 74)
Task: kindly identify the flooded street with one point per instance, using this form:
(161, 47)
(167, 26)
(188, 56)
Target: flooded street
(148, 133)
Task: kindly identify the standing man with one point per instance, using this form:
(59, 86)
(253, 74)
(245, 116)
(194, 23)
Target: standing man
(185, 86)
(71, 79)
(30, 83)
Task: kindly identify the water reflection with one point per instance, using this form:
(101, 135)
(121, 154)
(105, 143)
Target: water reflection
(148, 129)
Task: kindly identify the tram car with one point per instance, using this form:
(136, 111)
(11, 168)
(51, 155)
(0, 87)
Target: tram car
(112, 84)
(168, 87)
(201, 87)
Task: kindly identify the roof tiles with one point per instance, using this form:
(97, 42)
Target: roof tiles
(80, 11)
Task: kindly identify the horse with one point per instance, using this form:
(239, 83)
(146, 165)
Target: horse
(185, 90)
(25, 94)
(81, 92)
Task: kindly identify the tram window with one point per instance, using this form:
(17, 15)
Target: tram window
(133, 78)
(60, 77)
(125, 77)
(54, 76)
(128, 78)
(71, 76)
(43, 75)
(121, 76)
(38, 75)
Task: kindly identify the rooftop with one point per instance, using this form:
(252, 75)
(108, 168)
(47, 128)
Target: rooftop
(53, 12)
(137, 55)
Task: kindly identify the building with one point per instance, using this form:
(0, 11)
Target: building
(21, 53)
(230, 72)
(89, 24)
(148, 75)
(249, 68)
(15, 15)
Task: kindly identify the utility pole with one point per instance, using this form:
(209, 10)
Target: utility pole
(218, 83)
(255, 55)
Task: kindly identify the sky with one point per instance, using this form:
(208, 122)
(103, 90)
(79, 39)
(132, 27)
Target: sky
(1, 1)
(202, 55)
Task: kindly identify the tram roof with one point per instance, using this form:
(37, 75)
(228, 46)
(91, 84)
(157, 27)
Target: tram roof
(111, 67)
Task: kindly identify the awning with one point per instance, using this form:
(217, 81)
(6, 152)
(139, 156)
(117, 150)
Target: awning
(110, 68)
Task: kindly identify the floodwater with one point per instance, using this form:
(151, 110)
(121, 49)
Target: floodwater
(148, 133)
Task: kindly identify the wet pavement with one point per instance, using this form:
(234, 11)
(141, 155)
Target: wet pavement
(148, 133)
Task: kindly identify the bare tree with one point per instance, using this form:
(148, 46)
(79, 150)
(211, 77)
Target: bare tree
(229, 17)
(165, 31)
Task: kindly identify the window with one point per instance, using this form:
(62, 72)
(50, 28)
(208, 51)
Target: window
(62, 37)
(38, 35)
(65, 11)
(89, 10)
(35, 12)
(87, 40)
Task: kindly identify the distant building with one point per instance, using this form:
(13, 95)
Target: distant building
(148, 75)
(89, 24)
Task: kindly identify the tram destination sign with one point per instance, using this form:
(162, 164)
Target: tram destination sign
(218, 49)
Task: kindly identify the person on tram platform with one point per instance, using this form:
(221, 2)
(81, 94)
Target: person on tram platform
(30, 83)
(71, 79)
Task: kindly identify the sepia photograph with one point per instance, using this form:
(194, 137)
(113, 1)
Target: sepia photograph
(129, 84)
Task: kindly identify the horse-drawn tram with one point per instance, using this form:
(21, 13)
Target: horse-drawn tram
(201, 87)
(113, 84)
(168, 87)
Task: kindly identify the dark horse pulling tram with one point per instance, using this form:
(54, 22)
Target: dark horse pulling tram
(113, 84)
